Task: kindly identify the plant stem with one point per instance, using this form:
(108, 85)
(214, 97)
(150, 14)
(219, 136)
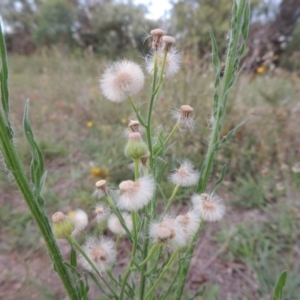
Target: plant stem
(171, 199)
(152, 251)
(133, 252)
(136, 168)
(167, 266)
(14, 166)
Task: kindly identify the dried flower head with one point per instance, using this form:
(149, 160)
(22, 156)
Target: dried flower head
(122, 80)
(134, 195)
(80, 219)
(157, 35)
(101, 189)
(184, 116)
(210, 207)
(145, 159)
(168, 233)
(115, 225)
(168, 42)
(62, 226)
(185, 175)
(190, 222)
(101, 252)
(134, 126)
(172, 62)
(102, 213)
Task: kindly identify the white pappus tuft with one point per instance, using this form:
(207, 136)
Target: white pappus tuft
(210, 207)
(190, 222)
(169, 233)
(172, 62)
(101, 252)
(134, 195)
(115, 225)
(80, 219)
(185, 175)
(122, 80)
(102, 213)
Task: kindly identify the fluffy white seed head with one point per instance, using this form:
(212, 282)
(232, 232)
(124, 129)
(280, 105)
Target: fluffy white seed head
(102, 213)
(210, 207)
(185, 175)
(190, 222)
(134, 195)
(80, 219)
(101, 252)
(122, 80)
(168, 233)
(172, 63)
(115, 225)
(184, 116)
(101, 189)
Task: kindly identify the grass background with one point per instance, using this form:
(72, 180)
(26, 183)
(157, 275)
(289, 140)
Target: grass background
(82, 137)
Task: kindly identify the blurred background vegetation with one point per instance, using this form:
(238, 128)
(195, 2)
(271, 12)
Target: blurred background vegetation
(57, 50)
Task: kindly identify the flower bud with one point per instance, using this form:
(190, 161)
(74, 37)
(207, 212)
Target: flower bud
(62, 225)
(135, 147)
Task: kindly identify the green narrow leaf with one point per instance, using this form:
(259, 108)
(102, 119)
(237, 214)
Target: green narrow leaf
(232, 132)
(73, 257)
(4, 76)
(280, 286)
(245, 27)
(215, 56)
(220, 180)
(37, 168)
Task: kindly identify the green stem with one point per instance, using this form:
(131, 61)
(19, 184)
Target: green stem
(149, 116)
(136, 168)
(152, 251)
(154, 265)
(228, 77)
(133, 252)
(14, 165)
(136, 112)
(152, 289)
(171, 199)
(73, 242)
(167, 139)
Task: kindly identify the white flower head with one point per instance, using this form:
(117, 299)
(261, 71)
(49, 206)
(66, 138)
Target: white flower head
(101, 252)
(115, 225)
(296, 168)
(184, 116)
(210, 207)
(101, 189)
(169, 233)
(157, 35)
(172, 62)
(134, 195)
(80, 219)
(122, 80)
(102, 213)
(185, 175)
(190, 222)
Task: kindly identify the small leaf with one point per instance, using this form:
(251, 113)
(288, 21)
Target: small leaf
(73, 257)
(220, 180)
(4, 76)
(215, 56)
(245, 27)
(280, 286)
(232, 132)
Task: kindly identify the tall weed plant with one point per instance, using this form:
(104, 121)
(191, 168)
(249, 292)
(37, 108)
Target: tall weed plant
(162, 242)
